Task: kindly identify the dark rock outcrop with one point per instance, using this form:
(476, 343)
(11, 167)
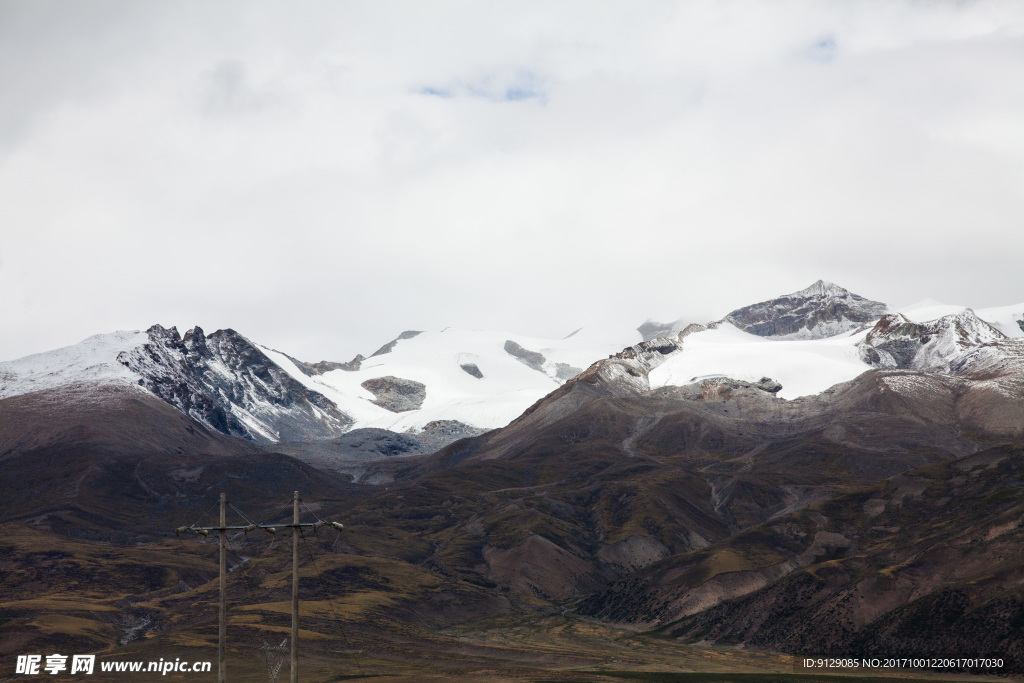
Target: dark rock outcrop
(531, 359)
(472, 369)
(439, 433)
(408, 334)
(652, 329)
(396, 394)
(314, 369)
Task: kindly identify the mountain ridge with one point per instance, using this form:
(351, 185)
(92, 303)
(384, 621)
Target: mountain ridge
(484, 380)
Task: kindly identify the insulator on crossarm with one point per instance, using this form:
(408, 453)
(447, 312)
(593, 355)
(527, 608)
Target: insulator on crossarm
(337, 525)
(180, 530)
(320, 524)
(269, 530)
(251, 527)
(202, 532)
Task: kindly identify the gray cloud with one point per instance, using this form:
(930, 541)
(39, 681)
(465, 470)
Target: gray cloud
(226, 89)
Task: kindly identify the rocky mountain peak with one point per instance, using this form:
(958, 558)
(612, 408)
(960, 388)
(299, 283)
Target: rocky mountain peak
(942, 345)
(821, 288)
(196, 333)
(168, 334)
(227, 384)
(822, 310)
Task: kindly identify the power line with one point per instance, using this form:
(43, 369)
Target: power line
(296, 526)
(272, 671)
(330, 602)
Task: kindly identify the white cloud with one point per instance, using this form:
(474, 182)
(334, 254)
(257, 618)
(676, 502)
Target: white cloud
(321, 176)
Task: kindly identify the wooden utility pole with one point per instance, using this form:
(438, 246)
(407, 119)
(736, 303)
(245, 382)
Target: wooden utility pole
(295, 588)
(222, 530)
(222, 674)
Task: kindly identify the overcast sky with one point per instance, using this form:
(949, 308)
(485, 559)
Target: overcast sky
(322, 176)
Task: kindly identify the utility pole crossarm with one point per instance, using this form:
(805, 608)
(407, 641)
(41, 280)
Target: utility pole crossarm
(253, 527)
(296, 526)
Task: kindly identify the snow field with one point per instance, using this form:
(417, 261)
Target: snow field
(803, 367)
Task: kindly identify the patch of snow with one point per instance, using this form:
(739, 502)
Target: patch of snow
(803, 367)
(1004, 318)
(254, 424)
(831, 328)
(356, 403)
(93, 360)
(821, 288)
(508, 386)
(909, 383)
(927, 310)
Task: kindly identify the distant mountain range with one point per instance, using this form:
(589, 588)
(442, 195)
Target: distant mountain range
(235, 386)
(473, 381)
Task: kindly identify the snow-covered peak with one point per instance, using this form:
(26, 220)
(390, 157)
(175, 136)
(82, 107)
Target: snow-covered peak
(807, 340)
(822, 310)
(968, 329)
(945, 344)
(960, 344)
(226, 383)
(927, 310)
(93, 360)
(821, 288)
(484, 379)
(221, 380)
(231, 385)
(1007, 319)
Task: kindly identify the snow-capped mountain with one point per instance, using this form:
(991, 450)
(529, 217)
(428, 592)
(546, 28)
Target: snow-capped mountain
(460, 382)
(1007, 319)
(91, 361)
(222, 381)
(226, 383)
(960, 344)
(819, 337)
(948, 344)
(428, 383)
(481, 379)
(801, 366)
(822, 310)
